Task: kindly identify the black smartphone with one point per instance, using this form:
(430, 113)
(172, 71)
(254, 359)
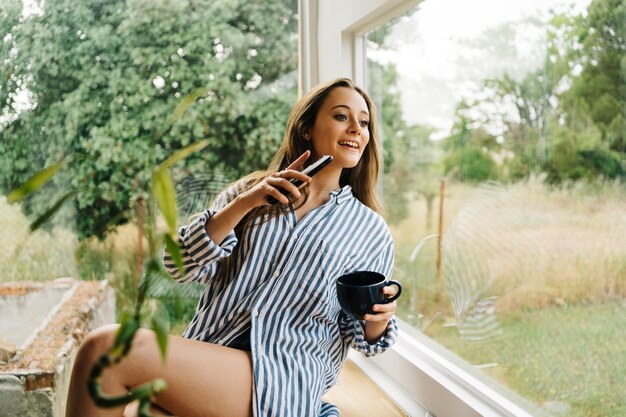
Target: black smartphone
(311, 170)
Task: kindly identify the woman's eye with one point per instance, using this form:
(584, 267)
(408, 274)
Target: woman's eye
(341, 117)
(364, 123)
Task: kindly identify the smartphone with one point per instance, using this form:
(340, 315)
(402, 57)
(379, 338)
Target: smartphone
(311, 170)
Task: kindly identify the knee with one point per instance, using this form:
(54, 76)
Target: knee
(96, 343)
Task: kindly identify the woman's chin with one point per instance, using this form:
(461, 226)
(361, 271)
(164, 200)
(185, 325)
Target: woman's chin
(347, 161)
(348, 166)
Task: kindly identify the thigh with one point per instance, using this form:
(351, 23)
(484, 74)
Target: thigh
(132, 410)
(203, 379)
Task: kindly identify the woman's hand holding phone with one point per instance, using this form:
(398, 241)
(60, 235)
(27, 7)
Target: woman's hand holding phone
(225, 220)
(311, 170)
(272, 187)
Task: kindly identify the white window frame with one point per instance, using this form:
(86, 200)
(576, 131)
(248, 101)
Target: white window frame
(331, 36)
(419, 374)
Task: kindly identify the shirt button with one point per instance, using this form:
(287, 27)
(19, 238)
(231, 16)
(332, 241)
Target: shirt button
(276, 274)
(256, 313)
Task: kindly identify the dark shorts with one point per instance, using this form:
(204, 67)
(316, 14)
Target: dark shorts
(241, 342)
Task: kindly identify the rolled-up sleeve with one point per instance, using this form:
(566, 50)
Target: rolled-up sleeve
(200, 254)
(355, 332)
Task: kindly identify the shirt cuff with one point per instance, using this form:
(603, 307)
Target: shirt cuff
(385, 342)
(199, 245)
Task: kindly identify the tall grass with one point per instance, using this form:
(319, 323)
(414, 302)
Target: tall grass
(38, 256)
(552, 245)
(554, 259)
(114, 258)
(578, 233)
(48, 254)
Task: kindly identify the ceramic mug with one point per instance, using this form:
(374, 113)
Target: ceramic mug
(359, 291)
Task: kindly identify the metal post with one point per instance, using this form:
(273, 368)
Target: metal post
(442, 190)
(139, 236)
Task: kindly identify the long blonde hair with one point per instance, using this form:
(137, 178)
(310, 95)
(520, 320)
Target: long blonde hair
(362, 178)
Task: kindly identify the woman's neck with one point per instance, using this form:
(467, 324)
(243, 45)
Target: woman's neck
(324, 182)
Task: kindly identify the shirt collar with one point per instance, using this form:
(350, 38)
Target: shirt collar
(342, 195)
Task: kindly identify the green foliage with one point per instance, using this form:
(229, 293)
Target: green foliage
(582, 154)
(10, 11)
(410, 157)
(568, 133)
(152, 275)
(602, 162)
(35, 182)
(472, 163)
(382, 82)
(601, 85)
(106, 75)
(161, 329)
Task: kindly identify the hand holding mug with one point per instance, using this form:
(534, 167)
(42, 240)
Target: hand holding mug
(385, 311)
(367, 295)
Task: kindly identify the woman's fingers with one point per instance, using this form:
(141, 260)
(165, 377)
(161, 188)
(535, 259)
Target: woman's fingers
(389, 291)
(385, 308)
(295, 175)
(274, 192)
(285, 184)
(382, 312)
(378, 316)
(281, 181)
(300, 161)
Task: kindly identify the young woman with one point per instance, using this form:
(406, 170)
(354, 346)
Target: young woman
(268, 337)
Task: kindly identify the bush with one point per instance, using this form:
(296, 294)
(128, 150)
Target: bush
(473, 164)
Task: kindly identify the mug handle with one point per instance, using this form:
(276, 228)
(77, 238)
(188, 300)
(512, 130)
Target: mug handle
(395, 297)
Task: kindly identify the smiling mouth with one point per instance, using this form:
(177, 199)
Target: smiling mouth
(349, 144)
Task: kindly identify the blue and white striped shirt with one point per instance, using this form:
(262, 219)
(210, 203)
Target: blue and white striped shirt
(281, 287)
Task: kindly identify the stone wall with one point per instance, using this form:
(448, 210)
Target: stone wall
(35, 380)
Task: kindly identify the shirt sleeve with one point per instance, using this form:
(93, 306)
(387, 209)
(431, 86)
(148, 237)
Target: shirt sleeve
(199, 253)
(353, 331)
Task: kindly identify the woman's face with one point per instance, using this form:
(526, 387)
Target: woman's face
(341, 127)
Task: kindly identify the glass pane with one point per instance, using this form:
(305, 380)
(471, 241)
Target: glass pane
(112, 88)
(504, 185)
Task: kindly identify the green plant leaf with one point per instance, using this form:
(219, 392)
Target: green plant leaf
(161, 327)
(163, 188)
(183, 153)
(174, 251)
(35, 182)
(47, 215)
(186, 101)
(125, 334)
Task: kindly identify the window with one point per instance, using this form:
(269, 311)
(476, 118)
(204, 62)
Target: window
(504, 188)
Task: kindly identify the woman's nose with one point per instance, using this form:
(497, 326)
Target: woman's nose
(354, 127)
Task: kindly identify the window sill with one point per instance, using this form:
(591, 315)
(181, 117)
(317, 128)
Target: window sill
(421, 376)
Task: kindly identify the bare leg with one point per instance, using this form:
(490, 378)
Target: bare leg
(202, 379)
(132, 410)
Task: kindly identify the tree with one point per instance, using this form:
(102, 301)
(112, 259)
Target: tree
(601, 85)
(551, 117)
(397, 139)
(105, 76)
(468, 150)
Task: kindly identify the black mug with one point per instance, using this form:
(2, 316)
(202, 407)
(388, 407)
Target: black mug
(359, 291)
